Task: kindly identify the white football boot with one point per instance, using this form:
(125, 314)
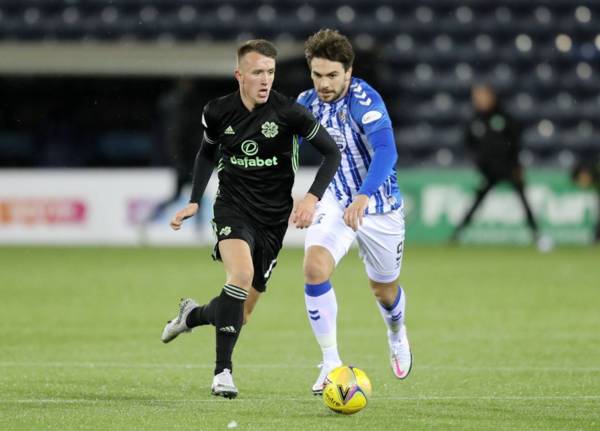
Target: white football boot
(223, 386)
(326, 368)
(400, 355)
(176, 326)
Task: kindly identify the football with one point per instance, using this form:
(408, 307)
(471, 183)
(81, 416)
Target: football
(347, 390)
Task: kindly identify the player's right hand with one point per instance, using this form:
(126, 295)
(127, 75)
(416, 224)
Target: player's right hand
(303, 214)
(354, 214)
(189, 211)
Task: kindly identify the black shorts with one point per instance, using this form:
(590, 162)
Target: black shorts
(264, 241)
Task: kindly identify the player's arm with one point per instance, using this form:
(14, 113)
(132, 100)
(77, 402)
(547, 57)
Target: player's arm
(203, 168)
(324, 144)
(306, 126)
(372, 116)
(382, 164)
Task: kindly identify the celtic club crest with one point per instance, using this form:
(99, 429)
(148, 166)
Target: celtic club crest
(270, 129)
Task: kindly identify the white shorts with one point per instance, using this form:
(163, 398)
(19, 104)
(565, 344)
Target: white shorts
(380, 238)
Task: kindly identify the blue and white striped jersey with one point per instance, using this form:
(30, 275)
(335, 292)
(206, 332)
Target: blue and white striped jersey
(349, 120)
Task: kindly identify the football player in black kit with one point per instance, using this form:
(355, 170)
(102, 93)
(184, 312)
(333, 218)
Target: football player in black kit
(254, 134)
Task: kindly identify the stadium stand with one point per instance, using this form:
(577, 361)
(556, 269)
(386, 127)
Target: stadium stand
(542, 56)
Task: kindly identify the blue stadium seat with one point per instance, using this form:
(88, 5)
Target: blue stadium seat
(542, 56)
(124, 148)
(17, 149)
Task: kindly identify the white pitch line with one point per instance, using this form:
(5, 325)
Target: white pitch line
(302, 399)
(133, 365)
(127, 365)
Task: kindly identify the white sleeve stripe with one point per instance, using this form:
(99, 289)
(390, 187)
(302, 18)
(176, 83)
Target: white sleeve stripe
(210, 141)
(313, 132)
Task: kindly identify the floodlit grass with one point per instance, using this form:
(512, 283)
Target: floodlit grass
(503, 339)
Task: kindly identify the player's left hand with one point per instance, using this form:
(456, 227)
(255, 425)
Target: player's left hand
(305, 211)
(353, 216)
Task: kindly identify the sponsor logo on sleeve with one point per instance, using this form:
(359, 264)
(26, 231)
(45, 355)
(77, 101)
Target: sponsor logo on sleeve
(371, 116)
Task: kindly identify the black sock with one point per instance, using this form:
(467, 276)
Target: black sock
(203, 315)
(229, 316)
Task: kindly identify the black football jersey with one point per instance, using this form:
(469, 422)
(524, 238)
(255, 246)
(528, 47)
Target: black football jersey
(258, 153)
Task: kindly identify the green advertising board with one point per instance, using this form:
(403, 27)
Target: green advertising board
(436, 199)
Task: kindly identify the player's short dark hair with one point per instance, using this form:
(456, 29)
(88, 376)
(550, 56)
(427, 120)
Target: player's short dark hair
(261, 46)
(330, 45)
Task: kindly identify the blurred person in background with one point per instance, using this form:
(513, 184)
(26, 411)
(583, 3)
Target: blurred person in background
(586, 174)
(181, 132)
(253, 133)
(493, 139)
(362, 203)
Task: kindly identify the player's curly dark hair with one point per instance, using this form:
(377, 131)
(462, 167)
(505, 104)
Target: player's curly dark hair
(261, 46)
(330, 45)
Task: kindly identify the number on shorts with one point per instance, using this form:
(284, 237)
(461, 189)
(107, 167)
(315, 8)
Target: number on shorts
(399, 251)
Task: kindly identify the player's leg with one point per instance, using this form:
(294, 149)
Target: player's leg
(327, 241)
(519, 186)
(250, 304)
(264, 257)
(482, 191)
(194, 315)
(543, 242)
(321, 307)
(204, 314)
(381, 246)
(225, 312)
(229, 310)
(391, 301)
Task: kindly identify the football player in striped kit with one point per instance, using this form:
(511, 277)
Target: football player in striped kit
(362, 203)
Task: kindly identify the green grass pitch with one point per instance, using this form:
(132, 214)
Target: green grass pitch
(503, 339)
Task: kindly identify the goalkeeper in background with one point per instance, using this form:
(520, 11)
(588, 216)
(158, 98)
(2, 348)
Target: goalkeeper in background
(493, 139)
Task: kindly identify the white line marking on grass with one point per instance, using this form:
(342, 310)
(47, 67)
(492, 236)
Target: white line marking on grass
(134, 365)
(508, 369)
(301, 399)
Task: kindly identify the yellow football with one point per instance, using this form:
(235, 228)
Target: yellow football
(347, 390)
